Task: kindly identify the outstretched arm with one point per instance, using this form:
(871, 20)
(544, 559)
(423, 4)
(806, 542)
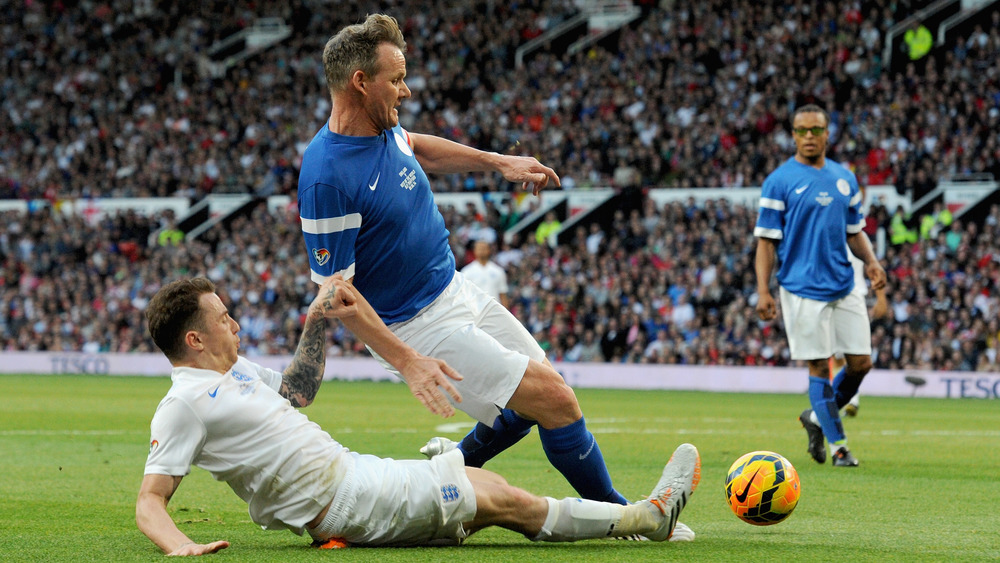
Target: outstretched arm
(441, 156)
(426, 377)
(153, 520)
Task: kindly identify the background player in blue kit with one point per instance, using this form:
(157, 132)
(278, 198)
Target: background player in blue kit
(368, 213)
(810, 207)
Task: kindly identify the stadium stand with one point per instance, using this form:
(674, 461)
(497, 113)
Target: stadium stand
(111, 100)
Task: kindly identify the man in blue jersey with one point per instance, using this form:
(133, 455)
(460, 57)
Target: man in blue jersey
(810, 207)
(368, 213)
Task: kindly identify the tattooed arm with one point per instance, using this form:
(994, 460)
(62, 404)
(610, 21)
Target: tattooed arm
(303, 376)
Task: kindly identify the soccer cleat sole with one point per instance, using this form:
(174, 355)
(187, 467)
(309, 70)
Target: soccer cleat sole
(332, 543)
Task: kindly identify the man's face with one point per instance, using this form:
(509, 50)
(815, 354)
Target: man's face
(220, 333)
(386, 90)
(481, 250)
(809, 129)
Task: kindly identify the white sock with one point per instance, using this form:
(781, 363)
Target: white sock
(572, 519)
(835, 447)
(638, 518)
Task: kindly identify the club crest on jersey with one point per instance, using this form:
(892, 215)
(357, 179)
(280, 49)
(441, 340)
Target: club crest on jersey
(404, 147)
(240, 376)
(843, 187)
(824, 199)
(450, 492)
(321, 255)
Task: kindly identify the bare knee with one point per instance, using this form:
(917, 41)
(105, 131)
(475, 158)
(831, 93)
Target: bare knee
(544, 396)
(859, 366)
(480, 475)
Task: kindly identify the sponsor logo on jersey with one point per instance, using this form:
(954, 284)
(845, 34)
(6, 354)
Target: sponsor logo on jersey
(322, 255)
(802, 189)
(153, 445)
(824, 199)
(409, 178)
(373, 185)
(214, 392)
(450, 493)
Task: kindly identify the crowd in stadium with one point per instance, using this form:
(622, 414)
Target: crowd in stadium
(106, 99)
(669, 285)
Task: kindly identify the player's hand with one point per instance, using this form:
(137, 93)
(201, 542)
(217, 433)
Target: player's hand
(199, 548)
(876, 275)
(335, 299)
(532, 174)
(427, 377)
(767, 309)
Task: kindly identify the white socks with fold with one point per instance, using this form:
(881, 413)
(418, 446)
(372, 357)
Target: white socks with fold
(572, 519)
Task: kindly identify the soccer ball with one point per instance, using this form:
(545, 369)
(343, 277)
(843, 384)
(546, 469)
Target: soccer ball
(762, 488)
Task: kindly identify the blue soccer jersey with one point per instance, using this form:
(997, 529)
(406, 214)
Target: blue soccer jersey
(368, 212)
(810, 212)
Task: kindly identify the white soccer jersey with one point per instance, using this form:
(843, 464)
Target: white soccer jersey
(236, 427)
(490, 277)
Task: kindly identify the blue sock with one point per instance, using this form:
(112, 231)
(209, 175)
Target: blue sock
(484, 442)
(574, 452)
(845, 387)
(825, 407)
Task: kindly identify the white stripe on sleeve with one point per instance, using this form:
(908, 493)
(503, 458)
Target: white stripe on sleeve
(347, 273)
(761, 232)
(769, 203)
(331, 224)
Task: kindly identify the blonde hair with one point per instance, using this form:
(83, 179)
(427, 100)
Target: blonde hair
(356, 48)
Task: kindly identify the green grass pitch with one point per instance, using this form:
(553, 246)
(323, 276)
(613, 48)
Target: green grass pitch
(72, 449)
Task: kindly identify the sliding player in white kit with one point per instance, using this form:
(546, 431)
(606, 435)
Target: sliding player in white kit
(368, 214)
(237, 420)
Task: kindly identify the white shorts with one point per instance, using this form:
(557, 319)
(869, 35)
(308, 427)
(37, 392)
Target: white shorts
(479, 338)
(816, 329)
(401, 502)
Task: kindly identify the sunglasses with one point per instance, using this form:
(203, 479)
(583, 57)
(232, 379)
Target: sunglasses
(816, 131)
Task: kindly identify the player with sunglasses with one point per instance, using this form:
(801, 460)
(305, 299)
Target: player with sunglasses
(810, 208)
